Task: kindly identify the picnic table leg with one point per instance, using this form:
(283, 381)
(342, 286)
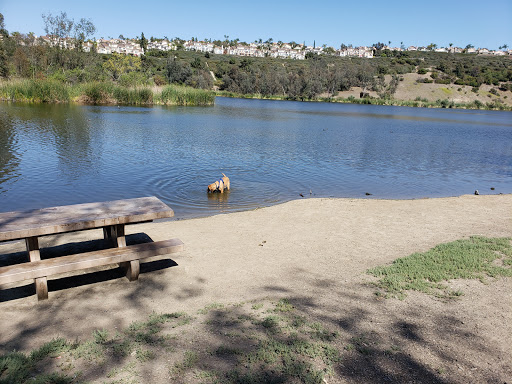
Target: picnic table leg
(132, 269)
(41, 283)
(115, 234)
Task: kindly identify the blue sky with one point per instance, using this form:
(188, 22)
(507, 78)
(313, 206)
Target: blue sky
(461, 22)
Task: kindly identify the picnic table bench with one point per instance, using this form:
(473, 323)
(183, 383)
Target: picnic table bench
(112, 216)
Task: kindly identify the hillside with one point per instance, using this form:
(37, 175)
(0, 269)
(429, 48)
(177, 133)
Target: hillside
(410, 90)
(414, 78)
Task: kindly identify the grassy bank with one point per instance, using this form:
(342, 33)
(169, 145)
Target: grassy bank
(417, 102)
(52, 91)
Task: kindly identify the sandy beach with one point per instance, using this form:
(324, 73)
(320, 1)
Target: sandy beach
(314, 252)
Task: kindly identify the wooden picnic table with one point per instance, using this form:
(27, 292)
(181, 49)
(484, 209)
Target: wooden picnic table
(112, 216)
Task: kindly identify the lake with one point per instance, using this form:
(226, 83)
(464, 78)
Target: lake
(273, 151)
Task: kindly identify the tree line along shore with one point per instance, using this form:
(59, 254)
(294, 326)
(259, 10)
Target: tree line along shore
(51, 73)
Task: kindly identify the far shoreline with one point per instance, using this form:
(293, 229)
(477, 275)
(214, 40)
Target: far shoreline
(442, 104)
(35, 91)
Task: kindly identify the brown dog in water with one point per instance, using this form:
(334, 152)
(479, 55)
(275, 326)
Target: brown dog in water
(219, 185)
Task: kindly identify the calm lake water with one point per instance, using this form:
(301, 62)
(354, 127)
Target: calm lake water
(273, 151)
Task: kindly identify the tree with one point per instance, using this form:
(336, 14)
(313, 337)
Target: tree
(378, 46)
(3, 31)
(329, 50)
(431, 46)
(196, 63)
(57, 28)
(177, 72)
(4, 67)
(143, 42)
(118, 65)
(82, 31)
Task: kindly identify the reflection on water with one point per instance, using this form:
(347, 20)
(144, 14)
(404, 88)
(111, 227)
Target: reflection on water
(218, 200)
(9, 161)
(272, 151)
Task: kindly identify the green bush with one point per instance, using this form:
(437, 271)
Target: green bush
(159, 80)
(134, 79)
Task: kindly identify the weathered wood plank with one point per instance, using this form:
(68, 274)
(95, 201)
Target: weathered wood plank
(47, 221)
(64, 264)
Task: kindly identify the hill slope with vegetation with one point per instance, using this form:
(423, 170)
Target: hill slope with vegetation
(391, 77)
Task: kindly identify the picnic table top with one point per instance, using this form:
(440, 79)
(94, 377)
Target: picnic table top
(47, 221)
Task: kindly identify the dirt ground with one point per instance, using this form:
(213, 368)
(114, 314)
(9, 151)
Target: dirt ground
(314, 252)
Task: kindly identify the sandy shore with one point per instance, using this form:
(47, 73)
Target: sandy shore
(315, 251)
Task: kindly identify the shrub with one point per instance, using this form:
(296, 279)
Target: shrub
(133, 79)
(159, 80)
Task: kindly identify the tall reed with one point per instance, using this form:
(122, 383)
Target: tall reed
(35, 91)
(47, 91)
(179, 95)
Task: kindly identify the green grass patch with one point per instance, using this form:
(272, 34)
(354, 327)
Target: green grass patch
(474, 258)
(16, 367)
(446, 91)
(284, 305)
